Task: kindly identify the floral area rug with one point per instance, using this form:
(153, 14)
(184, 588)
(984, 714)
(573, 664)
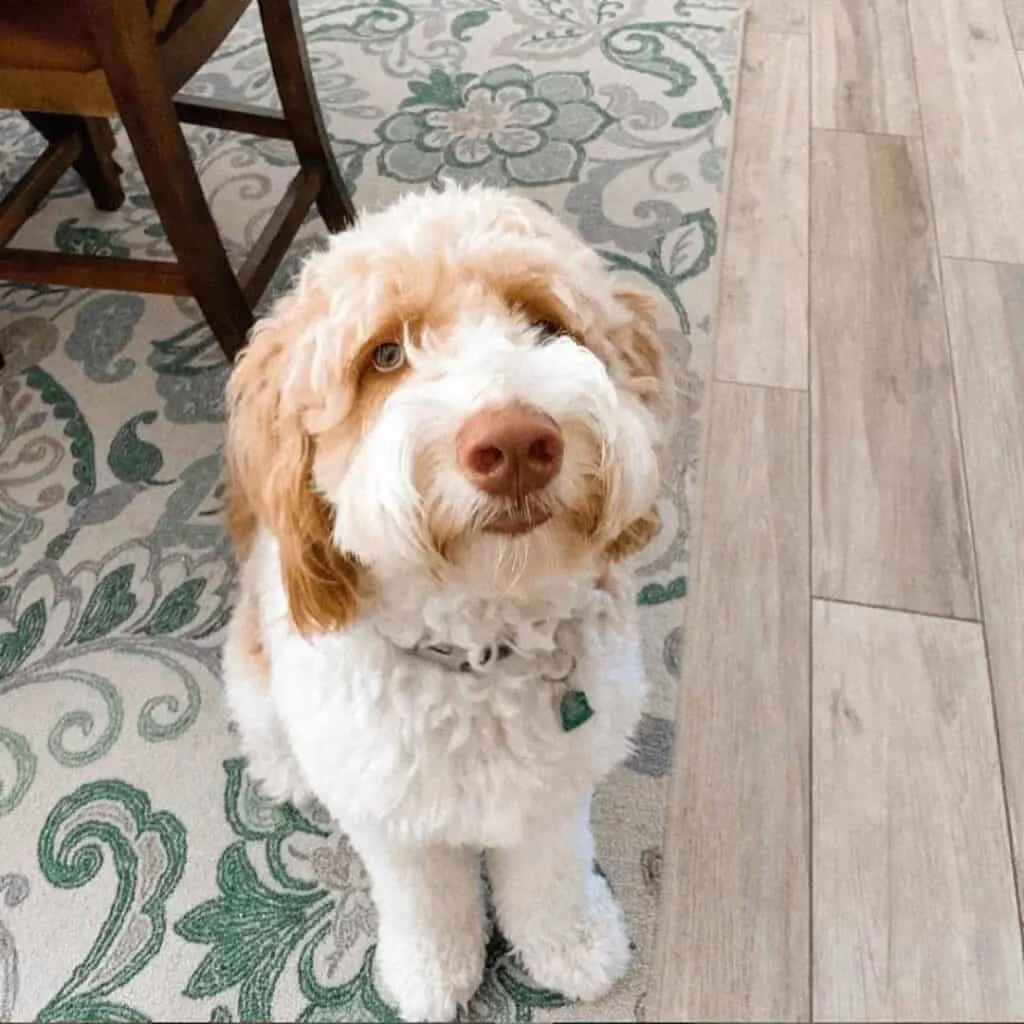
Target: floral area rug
(141, 877)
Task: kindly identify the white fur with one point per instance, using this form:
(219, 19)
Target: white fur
(422, 766)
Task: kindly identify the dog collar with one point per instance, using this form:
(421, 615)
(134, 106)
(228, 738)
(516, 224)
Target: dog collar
(554, 666)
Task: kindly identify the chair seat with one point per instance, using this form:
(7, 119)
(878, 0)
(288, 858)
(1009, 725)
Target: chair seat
(53, 35)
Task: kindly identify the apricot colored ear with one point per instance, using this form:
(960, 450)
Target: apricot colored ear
(636, 536)
(642, 351)
(270, 481)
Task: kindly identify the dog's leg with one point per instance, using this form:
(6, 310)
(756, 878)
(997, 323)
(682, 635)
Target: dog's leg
(271, 764)
(430, 949)
(557, 911)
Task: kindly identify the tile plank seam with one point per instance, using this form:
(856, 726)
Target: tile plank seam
(809, 519)
(1014, 840)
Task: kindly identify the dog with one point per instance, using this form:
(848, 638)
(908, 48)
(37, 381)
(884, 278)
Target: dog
(443, 446)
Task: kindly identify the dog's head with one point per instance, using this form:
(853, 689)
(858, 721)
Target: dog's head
(458, 388)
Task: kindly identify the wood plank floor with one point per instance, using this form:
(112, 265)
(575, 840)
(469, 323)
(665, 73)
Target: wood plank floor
(739, 802)
(1015, 16)
(890, 514)
(780, 15)
(845, 835)
(971, 94)
(986, 321)
(863, 67)
(764, 268)
(914, 911)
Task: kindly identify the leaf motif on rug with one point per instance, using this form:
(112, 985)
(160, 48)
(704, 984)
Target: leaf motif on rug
(289, 890)
(156, 613)
(110, 824)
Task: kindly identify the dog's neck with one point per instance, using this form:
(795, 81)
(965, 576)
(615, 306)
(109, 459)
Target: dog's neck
(519, 636)
(418, 615)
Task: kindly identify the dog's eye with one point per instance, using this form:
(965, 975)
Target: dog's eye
(388, 356)
(548, 331)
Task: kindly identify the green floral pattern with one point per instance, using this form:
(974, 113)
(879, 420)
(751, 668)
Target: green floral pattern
(262, 920)
(111, 824)
(506, 127)
(141, 876)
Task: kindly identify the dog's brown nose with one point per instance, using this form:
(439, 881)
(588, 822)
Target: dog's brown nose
(510, 451)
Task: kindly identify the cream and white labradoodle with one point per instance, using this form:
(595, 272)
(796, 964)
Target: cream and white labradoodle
(442, 446)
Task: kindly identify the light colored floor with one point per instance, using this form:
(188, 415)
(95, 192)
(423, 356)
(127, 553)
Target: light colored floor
(847, 819)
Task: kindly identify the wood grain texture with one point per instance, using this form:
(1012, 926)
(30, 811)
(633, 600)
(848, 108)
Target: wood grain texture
(914, 911)
(972, 109)
(1015, 16)
(289, 58)
(986, 323)
(890, 523)
(762, 330)
(733, 941)
(863, 67)
(778, 15)
(95, 164)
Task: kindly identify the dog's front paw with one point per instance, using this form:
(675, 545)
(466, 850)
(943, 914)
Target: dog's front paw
(429, 979)
(581, 954)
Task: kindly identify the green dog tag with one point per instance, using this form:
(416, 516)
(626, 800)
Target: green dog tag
(575, 710)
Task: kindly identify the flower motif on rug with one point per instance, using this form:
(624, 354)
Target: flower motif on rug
(504, 127)
(288, 888)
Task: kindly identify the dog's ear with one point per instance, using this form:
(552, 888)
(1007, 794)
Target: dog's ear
(270, 474)
(639, 345)
(642, 352)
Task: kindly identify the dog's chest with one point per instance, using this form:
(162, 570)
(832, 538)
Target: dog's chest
(434, 748)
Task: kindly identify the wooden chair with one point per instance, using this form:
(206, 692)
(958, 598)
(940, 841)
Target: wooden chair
(72, 64)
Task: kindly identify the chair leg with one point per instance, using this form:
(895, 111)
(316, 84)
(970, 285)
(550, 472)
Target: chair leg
(124, 39)
(96, 166)
(286, 44)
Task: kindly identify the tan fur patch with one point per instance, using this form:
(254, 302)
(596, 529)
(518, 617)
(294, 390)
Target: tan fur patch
(270, 459)
(246, 628)
(640, 346)
(336, 446)
(635, 537)
(533, 297)
(586, 515)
